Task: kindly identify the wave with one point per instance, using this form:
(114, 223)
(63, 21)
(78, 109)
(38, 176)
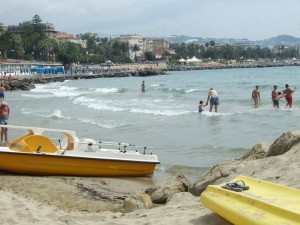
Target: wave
(157, 85)
(133, 106)
(39, 96)
(189, 171)
(56, 114)
(214, 114)
(158, 112)
(54, 90)
(97, 104)
(181, 90)
(108, 90)
(106, 124)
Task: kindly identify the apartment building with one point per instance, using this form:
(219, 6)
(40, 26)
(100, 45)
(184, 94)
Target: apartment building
(69, 38)
(161, 45)
(48, 28)
(156, 45)
(132, 40)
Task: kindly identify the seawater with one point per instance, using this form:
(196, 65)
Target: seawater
(166, 116)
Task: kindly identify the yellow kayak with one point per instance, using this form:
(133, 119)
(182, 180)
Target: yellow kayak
(253, 202)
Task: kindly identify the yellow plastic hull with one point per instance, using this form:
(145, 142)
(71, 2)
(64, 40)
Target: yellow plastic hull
(265, 203)
(42, 164)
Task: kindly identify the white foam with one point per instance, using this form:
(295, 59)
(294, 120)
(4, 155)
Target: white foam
(106, 90)
(56, 114)
(107, 124)
(55, 90)
(158, 112)
(192, 90)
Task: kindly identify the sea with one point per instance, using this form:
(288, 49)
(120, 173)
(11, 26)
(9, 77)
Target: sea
(165, 116)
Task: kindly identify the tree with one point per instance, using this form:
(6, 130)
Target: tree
(1, 27)
(212, 43)
(149, 56)
(135, 49)
(46, 47)
(69, 53)
(11, 46)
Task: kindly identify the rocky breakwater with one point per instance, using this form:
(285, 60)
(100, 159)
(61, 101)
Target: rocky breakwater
(28, 82)
(277, 163)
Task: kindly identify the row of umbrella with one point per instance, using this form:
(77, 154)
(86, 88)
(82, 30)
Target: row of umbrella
(190, 60)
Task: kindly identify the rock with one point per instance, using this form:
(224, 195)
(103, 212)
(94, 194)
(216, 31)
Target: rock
(251, 164)
(284, 143)
(137, 200)
(165, 189)
(258, 151)
(213, 176)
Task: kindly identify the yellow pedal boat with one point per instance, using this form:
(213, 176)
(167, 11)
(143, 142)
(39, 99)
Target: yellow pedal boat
(43, 151)
(264, 203)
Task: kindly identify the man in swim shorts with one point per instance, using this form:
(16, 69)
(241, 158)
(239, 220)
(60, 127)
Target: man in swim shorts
(4, 115)
(274, 95)
(288, 95)
(2, 89)
(256, 95)
(213, 100)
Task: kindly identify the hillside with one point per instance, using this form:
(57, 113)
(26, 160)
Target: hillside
(280, 39)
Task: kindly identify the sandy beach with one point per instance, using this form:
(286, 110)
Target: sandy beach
(73, 200)
(26, 199)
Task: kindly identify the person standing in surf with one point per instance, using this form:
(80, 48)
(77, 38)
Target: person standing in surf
(2, 89)
(274, 95)
(4, 115)
(256, 96)
(213, 99)
(288, 95)
(200, 107)
(143, 86)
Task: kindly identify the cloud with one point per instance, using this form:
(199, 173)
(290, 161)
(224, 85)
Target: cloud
(199, 18)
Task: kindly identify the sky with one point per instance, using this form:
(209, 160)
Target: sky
(250, 19)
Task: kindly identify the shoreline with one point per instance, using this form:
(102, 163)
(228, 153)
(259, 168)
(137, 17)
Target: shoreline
(27, 82)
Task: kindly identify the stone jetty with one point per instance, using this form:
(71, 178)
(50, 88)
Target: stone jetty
(27, 82)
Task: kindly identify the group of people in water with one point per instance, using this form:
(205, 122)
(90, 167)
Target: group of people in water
(213, 98)
(275, 95)
(214, 102)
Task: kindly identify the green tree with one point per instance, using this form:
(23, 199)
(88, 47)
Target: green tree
(149, 56)
(212, 43)
(46, 47)
(69, 53)
(135, 49)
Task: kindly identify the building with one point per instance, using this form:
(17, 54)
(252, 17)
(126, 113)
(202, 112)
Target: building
(161, 45)
(48, 28)
(245, 46)
(280, 49)
(69, 38)
(133, 40)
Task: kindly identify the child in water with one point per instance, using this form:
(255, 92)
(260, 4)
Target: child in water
(201, 105)
(276, 100)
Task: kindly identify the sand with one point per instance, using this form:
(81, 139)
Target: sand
(81, 201)
(75, 200)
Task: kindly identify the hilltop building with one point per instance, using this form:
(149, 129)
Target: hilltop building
(48, 28)
(62, 38)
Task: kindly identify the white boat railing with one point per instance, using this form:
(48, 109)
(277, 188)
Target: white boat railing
(72, 141)
(122, 147)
